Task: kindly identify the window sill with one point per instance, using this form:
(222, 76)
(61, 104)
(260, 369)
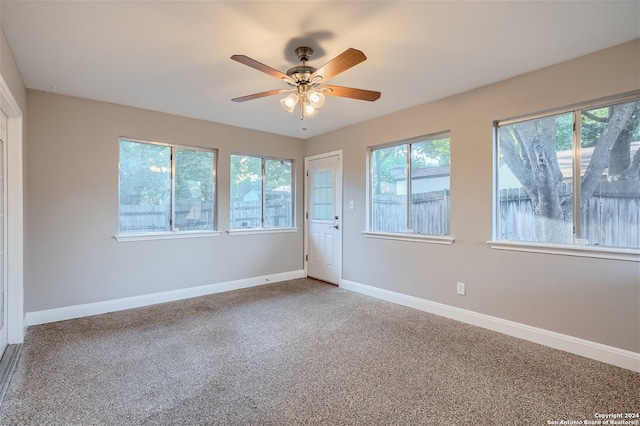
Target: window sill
(165, 236)
(251, 231)
(568, 250)
(416, 238)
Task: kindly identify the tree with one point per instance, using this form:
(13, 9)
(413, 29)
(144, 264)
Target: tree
(193, 175)
(145, 174)
(384, 160)
(246, 176)
(529, 149)
(277, 174)
(427, 153)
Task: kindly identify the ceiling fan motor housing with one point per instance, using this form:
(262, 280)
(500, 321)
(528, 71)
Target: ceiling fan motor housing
(301, 74)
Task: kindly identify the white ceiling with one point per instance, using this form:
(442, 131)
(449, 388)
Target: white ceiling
(174, 56)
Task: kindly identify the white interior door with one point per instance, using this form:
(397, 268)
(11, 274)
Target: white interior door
(3, 240)
(323, 215)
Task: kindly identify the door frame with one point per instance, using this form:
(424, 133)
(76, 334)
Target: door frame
(15, 216)
(340, 208)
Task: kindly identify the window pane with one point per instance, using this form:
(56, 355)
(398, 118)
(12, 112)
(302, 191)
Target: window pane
(610, 164)
(194, 190)
(145, 187)
(323, 195)
(389, 189)
(430, 187)
(278, 203)
(246, 192)
(535, 180)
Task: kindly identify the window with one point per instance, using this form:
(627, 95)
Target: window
(323, 196)
(261, 195)
(409, 187)
(571, 177)
(165, 188)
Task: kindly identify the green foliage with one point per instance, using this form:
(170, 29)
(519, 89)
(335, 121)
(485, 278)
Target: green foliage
(277, 174)
(145, 174)
(390, 163)
(430, 153)
(194, 175)
(387, 163)
(246, 175)
(564, 139)
(593, 122)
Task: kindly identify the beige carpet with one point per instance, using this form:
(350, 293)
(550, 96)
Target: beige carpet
(299, 353)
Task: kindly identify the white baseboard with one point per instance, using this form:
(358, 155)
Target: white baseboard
(608, 354)
(78, 311)
(604, 353)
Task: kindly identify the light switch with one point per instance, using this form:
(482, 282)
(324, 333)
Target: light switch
(352, 205)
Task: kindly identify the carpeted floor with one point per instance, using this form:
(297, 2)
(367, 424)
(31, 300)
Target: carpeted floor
(299, 353)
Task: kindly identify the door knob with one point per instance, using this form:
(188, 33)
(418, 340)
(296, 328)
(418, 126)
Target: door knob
(334, 227)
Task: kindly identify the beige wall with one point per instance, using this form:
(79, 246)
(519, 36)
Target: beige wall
(72, 191)
(593, 299)
(73, 209)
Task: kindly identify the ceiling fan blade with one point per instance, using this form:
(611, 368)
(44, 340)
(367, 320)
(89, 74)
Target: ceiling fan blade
(262, 67)
(347, 59)
(260, 95)
(350, 92)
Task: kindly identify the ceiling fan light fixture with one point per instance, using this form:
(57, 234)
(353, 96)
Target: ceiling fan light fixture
(308, 110)
(316, 98)
(289, 103)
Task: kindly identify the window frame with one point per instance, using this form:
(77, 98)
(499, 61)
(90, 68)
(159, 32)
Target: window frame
(446, 239)
(173, 233)
(265, 229)
(567, 249)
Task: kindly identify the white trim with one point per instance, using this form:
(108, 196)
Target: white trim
(594, 103)
(415, 238)
(252, 231)
(15, 216)
(78, 311)
(568, 250)
(323, 155)
(597, 351)
(165, 236)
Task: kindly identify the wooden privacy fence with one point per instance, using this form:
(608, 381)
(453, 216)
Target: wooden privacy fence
(429, 213)
(199, 216)
(611, 217)
(248, 214)
(155, 218)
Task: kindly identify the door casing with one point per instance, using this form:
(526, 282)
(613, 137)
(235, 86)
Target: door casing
(15, 216)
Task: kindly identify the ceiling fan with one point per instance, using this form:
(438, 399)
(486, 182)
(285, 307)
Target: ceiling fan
(307, 83)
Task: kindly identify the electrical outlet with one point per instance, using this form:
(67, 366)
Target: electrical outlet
(460, 289)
